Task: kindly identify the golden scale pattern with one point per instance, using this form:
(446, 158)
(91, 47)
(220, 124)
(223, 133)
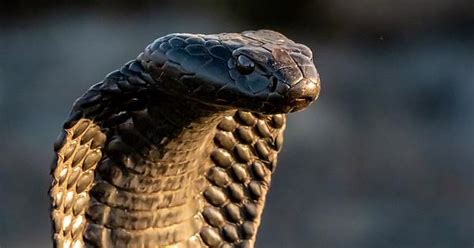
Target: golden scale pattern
(245, 156)
(78, 150)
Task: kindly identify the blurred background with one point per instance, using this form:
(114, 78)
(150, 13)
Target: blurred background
(383, 159)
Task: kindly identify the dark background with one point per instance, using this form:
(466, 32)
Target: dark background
(383, 159)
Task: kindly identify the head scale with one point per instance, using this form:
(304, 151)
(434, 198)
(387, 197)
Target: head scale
(258, 71)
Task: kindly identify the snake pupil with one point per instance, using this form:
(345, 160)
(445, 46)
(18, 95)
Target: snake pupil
(245, 65)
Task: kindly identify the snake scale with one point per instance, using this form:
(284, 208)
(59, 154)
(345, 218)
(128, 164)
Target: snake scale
(176, 149)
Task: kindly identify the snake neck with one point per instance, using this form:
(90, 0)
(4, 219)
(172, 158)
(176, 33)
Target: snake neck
(150, 182)
(179, 123)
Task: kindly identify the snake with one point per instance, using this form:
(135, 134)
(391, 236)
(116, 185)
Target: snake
(177, 147)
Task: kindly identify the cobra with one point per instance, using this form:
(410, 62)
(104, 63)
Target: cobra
(177, 148)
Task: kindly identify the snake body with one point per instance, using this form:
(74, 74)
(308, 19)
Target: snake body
(176, 149)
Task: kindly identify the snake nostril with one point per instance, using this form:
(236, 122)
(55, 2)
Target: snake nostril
(273, 84)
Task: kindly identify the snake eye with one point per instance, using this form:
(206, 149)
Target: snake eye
(245, 65)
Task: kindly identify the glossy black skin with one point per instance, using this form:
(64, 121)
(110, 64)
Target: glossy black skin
(259, 71)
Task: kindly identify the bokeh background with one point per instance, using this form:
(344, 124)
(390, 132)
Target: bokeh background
(383, 159)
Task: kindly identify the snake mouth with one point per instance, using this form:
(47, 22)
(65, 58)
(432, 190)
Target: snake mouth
(297, 98)
(301, 103)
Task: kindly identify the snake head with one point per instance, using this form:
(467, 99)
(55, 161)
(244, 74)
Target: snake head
(258, 71)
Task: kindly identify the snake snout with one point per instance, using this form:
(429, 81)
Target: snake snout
(303, 93)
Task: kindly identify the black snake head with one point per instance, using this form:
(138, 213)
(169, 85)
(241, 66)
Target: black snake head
(258, 71)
